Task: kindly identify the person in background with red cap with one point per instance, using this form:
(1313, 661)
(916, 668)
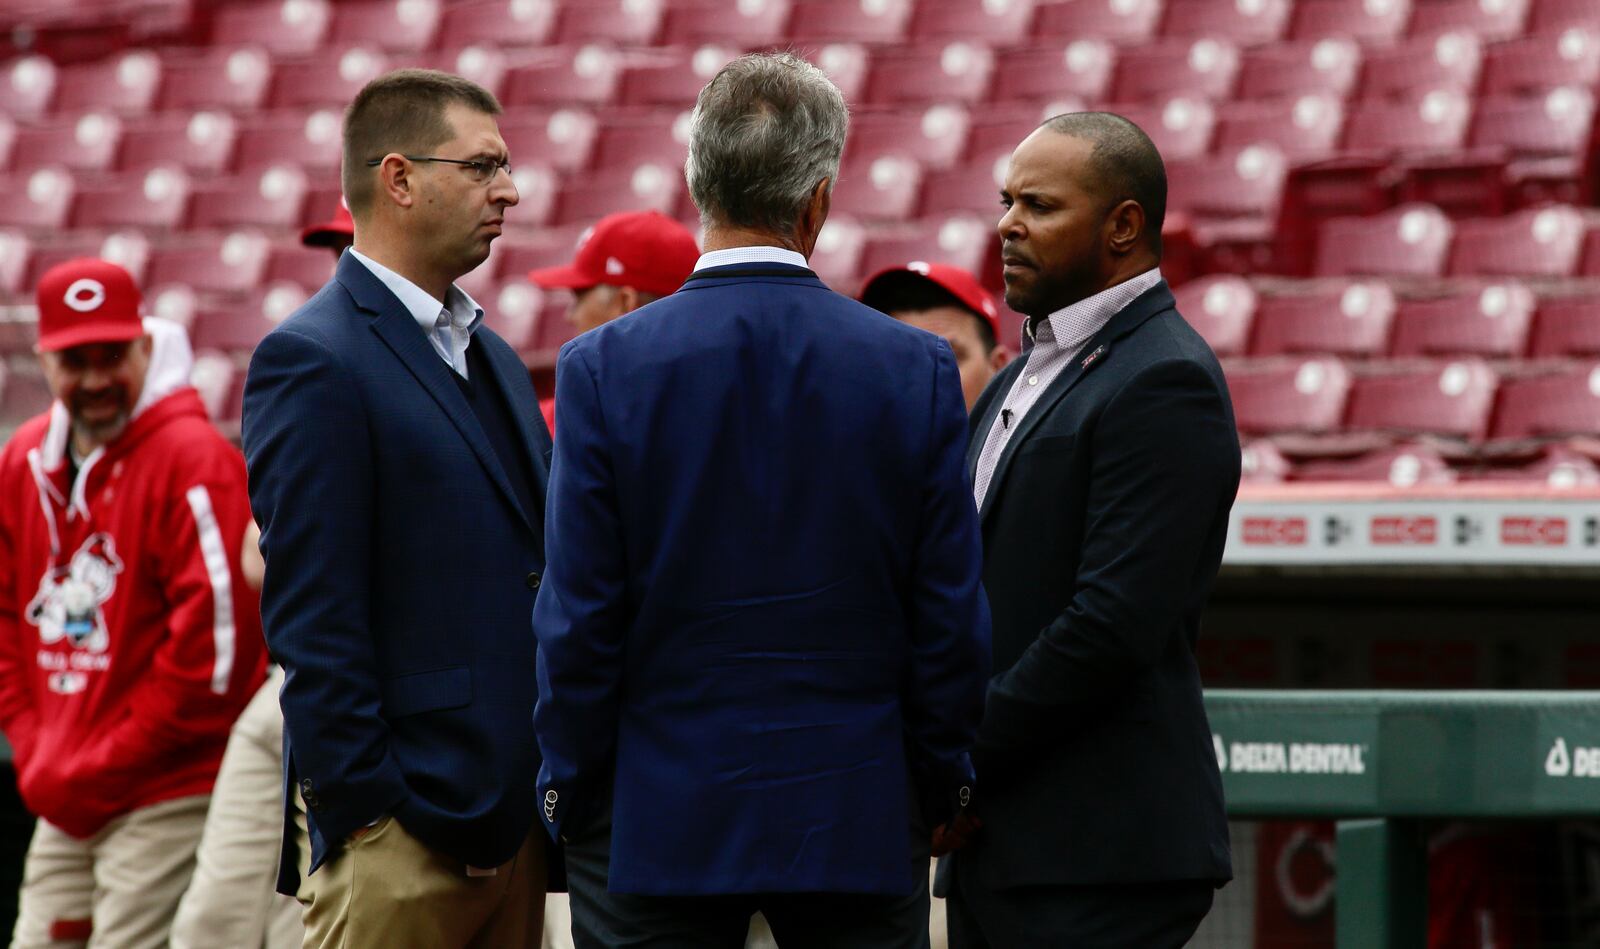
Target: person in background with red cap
(129, 641)
(336, 233)
(946, 301)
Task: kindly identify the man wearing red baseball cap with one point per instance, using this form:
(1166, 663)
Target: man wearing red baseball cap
(625, 261)
(949, 302)
(129, 641)
(336, 233)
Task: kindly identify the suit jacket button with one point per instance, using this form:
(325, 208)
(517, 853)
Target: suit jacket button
(305, 786)
(533, 581)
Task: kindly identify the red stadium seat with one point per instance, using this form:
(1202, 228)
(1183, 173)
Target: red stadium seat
(501, 23)
(87, 143)
(1402, 466)
(1081, 68)
(238, 327)
(671, 77)
(562, 138)
(285, 27)
(309, 140)
(1538, 242)
(850, 21)
(201, 142)
(848, 65)
(837, 257)
(400, 26)
(1560, 14)
(24, 394)
(1557, 466)
(127, 248)
(1559, 123)
(330, 79)
(996, 132)
(1489, 19)
(30, 84)
(1261, 462)
(1436, 122)
(1449, 399)
(40, 200)
(955, 72)
(156, 200)
(1409, 241)
(884, 188)
(309, 267)
(589, 75)
(1243, 184)
(515, 255)
(271, 197)
(1245, 22)
(964, 241)
(935, 137)
(971, 189)
(214, 377)
(1278, 396)
(1303, 129)
(224, 78)
(1222, 309)
(234, 263)
(998, 22)
(1552, 405)
(588, 197)
(484, 65)
(1567, 325)
(538, 189)
(658, 138)
(1367, 21)
(1342, 319)
(1205, 68)
(1490, 321)
(748, 23)
(623, 22)
(126, 84)
(1546, 61)
(1328, 67)
(1410, 69)
(15, 250)
(513, 310)
(1181, 127)
(1121, 21)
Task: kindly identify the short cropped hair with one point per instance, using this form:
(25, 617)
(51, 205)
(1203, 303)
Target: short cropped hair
(1126, 164)
(765, 130)
(402, 111)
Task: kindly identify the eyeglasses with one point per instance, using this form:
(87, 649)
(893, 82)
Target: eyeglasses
(480, 170)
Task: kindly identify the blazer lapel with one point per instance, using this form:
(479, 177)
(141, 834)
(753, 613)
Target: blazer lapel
(512, 377)
(1094, 354)
(983, 424)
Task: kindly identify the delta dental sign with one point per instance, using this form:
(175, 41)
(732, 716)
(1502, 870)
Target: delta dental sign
(1300, 757)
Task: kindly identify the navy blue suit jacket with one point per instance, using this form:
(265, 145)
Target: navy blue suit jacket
(762, 624)
(399, 573)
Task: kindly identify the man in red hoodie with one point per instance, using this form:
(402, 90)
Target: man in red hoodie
(128, 640)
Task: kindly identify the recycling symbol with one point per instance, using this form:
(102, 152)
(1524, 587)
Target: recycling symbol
(1558, 764)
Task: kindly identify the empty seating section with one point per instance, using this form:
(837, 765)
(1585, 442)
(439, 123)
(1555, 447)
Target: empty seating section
(1389, 203)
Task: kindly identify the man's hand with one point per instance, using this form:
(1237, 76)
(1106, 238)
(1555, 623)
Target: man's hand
(948, 838)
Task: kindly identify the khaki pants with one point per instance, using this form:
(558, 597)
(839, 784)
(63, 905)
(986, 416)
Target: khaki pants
(118, 889)
(232, 900)
(387, 890)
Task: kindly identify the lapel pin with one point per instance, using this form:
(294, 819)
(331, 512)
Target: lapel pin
(1090, 359)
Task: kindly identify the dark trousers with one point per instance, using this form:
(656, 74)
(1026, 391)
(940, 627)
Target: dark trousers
(605, 920)
(1119, 916)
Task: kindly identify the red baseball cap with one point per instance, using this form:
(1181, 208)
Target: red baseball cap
(341, 228)
(87, 301)
(957, 282)
(645, 250)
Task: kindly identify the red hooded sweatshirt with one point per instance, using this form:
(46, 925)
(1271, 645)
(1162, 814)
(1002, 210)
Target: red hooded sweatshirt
(129, 641)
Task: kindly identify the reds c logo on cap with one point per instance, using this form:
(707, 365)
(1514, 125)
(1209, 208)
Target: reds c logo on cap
(85, 295)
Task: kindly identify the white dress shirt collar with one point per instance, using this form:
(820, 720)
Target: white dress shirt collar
(449, 325)
(750, 255)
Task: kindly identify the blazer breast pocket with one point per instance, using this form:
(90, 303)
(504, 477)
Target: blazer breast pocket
(433, 691)
(1047, 445)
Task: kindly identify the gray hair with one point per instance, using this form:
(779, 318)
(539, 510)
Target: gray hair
(765, 131)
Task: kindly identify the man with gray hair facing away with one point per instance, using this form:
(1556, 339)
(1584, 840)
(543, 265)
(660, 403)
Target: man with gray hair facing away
(762, 641)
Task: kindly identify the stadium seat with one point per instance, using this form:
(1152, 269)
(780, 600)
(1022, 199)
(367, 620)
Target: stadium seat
(671, 77)
(396, 26)
(1244, 22)
(623, 22)
(1181, 127)
(1557, 404)
(309, 267)
(1451, 400)
(283, 27)
(538, 190)
(128, 248)
(330, 79)
(235, 263)
(936, 137)
(157, 199)
(1402, 466)
(200, 142)
(1436, 122)
(1375, 22)
(41, 199)
(309, 140)
(1559, 14)
(1559, 123)
(1247, 183)
(954, 72)
(1222, 309)
(837, 256)
(1490, 321)
(749, 23)
(878, 22)
(1328, 67)
(1489, 19)
(964, 241)
(484, 65)
(1278, 396)
(1567, 325)
(238, 326)
(1411, 69)
(1539, 242)
(270, 197)
(1543, 62)
(14, 252)
(1303, 129)
(997, 22)
(30, 84)
(1341, 319)
(213, 377)
(1556, 466)
(660, 138)
(564, 139)
(516, 254)
(588, 75)
(238, 79)
(24, 394)
(970, 189)
(997, 131)
(849, 65)
(1205, 68)
(499, 23)
(1120, 21)
(125, 84)
(513, 310)
(885, 188)
(1409, 241)
(1081, 68)
(1261, 462)
(586, 198)
(86, 143)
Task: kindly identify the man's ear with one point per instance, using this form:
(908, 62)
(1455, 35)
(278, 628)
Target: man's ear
(625, 300)
(998, 358)
(1126, 226)
(815, 215)
(394, 180)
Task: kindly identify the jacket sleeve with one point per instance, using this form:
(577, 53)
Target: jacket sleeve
(311, 483)
(18, 642)
(1164, 468)
(579, 617)
(949, 615)
(211, 656)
